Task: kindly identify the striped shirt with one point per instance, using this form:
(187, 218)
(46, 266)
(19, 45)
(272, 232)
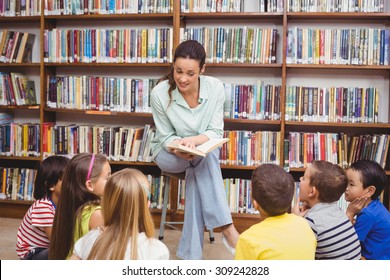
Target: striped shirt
(31, 233)
(336, 236)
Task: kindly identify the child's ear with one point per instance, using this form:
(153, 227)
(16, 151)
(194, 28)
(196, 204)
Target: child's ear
(313, 192)
(89, 185)
(370, 191)
(51, 188)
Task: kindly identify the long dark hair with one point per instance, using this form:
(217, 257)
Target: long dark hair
(191, 49)
(74, 196)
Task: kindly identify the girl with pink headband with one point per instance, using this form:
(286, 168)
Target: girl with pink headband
(79, 209)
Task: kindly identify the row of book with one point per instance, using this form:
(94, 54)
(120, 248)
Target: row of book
(302, 148)
(335, 104)
(117, 143)
(207, 6)
(20, 139)
(17, 183)
(235, 45)
(16, 89)
(16, 47)
(346, 6)
(255, 102)
(245, 148)
(99, 93)
(250, 148)
(82, 7)
(108, 46)
(360, 46)
(12, 8)
(237, 192)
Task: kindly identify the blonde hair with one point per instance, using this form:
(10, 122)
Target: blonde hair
(126, 213)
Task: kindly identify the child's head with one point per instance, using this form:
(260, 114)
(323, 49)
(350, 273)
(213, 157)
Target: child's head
(272, 189)
(366, 179)
(323, 181)
(83, 183)
(49, 177)
(125, 209)
(85, 177)
(125, 200)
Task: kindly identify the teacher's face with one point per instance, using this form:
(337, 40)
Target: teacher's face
(186, 73)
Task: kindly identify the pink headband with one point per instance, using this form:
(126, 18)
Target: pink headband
(90, 167)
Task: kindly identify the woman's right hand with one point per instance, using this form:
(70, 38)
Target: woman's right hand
(183, 142)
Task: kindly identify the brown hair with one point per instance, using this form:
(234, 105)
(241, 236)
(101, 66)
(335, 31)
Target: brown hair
(191, 49)
(272, 188)
(74, 197)
(329, 179)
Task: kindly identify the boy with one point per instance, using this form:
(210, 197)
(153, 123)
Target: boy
(279, 235)
(321, 187)
(367, 179)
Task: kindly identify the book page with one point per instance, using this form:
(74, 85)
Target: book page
(211, 144)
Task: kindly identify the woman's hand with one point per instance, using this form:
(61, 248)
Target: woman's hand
(187, 143)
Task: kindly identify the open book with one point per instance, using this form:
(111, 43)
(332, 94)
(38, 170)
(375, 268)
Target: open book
(200, 150)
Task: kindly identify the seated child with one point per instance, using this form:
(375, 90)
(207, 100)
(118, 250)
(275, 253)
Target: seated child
(279, 235)
(128, 231)
(321, 187)
(34, 233)
(79, 206)
(367, 180)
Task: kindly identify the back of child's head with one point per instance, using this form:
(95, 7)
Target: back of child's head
(272, 189)
(49, 172)
(329, 179)
(74, 194)
(372, 174)
(125, 200)
(126, 213)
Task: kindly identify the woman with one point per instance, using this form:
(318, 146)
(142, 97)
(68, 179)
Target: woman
(188, 109)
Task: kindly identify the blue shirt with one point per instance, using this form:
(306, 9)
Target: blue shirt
(177, 120)
(373, 228)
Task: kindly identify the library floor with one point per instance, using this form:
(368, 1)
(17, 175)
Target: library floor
(211, 251)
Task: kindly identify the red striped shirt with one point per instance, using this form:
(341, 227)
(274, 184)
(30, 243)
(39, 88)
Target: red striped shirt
(31, 232)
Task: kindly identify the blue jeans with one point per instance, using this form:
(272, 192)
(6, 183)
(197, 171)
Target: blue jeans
(205, 199)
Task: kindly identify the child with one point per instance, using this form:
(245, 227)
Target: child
(34, 232)
(79, 206)
(128, 231)
(321, 187)
(279, 235)
(367, 180)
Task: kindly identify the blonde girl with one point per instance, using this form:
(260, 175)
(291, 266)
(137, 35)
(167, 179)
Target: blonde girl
(128, 231)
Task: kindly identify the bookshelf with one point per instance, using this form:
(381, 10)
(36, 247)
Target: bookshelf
(279, 72)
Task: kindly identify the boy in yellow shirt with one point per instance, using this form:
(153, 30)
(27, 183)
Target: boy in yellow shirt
(279, 235)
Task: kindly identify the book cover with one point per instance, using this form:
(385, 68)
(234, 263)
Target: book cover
(200, 150)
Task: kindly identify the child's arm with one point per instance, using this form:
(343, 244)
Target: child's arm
(48, 232)
(96, 219)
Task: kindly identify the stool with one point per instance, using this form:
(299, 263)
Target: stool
(164, 222)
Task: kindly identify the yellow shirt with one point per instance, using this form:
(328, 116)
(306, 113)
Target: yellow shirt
(284, 237)
(82, 223)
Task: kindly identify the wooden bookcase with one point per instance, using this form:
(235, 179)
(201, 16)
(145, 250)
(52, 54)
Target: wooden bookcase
(279, 73)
